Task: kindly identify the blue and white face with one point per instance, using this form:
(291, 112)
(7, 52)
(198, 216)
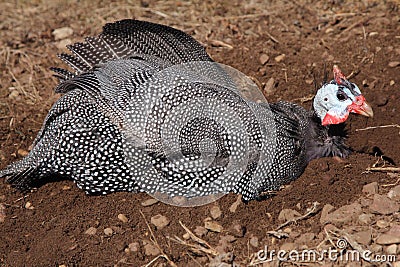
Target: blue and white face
(335, 100)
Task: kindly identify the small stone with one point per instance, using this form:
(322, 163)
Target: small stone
(382, 224)
(66, 188)
(392, 249)
(392, 82)
(254, 241)
(91, 231)
(186, 236)
(264, 59)
(376, 248)
(14, 94)
(200, 231)
(269, 86)
(371, 188)
(384, 205)
(390, 237)
(309, 81)
(62, 265)
(133, 247)
(2, 213)
(238, 230)
(394, 193)
(288, 214)
(149, 202)
(22, 152)
(363, 237)
(344, 214)
(280, 58)
(29, 206)
(235, 205)
(365, 218)
(151, 250)
(108, 231)
(62, 44)
(215, 212)
(394, 64)
(213, 226)
(373, 34)
(62, 33)
(387, 239)
(325, 211)
(159, 221)
(122, 218)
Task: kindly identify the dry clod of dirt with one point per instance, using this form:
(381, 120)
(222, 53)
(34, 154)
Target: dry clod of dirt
(384, 205)
(365, 218)
(288, 214)
(344, 214)
(394, 64)
(159, 221)
(235, 204)
(2, 213)
(280, 58)
(149, 202)
(363, 237)
(264, 59)
(122, 218)
(62, 33)
(392, 249)
(151, 250)
(215, 212)
(394, 193)
(269, 86)
(325, 211)
(91, 231)
(371, 188)
(387, 239)
(237, 230)
(213, 226)
(254, 241)
(134, 247)
(108, 231)
(382, 224)
(200, 231)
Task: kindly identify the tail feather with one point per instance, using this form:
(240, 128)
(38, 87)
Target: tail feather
(19, 174)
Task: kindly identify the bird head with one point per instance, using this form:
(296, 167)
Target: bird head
(335, 100)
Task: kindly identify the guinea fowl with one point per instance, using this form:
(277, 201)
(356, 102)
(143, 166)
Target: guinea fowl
(147, 109)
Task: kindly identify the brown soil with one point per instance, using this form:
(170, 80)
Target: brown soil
(362, 38)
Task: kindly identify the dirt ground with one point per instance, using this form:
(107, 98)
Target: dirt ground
(334, 200)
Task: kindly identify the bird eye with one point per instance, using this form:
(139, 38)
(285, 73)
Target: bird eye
(341, 96)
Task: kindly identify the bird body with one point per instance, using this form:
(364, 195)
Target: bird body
(147, 109)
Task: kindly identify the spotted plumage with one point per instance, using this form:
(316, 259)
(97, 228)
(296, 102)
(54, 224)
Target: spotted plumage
(146, 109)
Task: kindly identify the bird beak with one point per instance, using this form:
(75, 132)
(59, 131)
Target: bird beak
(360, 106)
